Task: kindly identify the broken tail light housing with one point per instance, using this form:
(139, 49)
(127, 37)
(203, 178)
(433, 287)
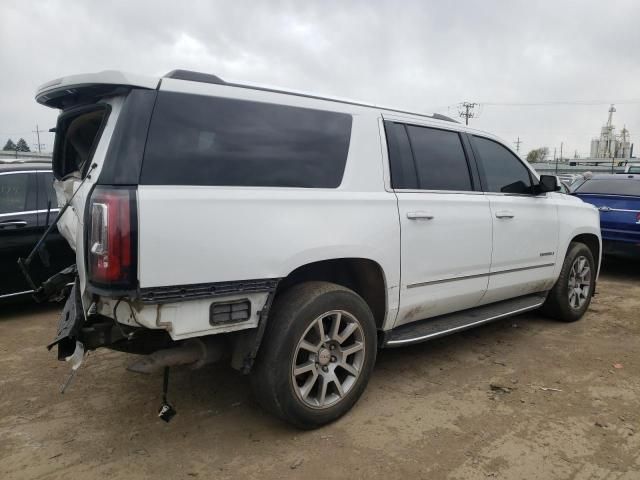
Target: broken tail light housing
(112, 238)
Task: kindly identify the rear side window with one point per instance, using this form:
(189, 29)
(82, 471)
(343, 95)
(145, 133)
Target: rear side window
(199, 140)
(14, 192)
(503, 171)
(440, 160)
(610, 187)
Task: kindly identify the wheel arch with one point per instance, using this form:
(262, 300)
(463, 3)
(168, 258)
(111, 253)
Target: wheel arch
(592, 242)
(362, 275)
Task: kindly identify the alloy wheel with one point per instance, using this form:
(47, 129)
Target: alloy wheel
(328, 359)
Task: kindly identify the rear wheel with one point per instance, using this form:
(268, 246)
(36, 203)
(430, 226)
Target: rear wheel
(317, 354)
(571, 295)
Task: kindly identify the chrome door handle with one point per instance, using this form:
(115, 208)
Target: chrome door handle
(604, 209)
(504, 214)
(419, 216)
(13, 223)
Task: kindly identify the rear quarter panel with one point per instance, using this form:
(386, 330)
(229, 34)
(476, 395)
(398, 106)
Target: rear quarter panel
(201, 234)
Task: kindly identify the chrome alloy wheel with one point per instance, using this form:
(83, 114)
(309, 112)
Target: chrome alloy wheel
(579, 282)
(328, 359)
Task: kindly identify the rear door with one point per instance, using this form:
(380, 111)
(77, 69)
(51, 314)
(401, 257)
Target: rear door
(19, 228)
(525, 226)
(445, 221)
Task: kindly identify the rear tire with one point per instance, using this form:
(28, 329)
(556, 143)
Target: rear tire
(571, 295)
(317, 355)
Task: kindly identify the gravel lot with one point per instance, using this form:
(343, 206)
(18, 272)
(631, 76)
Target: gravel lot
(525, 398)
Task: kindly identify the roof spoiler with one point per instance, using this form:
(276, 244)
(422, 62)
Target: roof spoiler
(74, 90)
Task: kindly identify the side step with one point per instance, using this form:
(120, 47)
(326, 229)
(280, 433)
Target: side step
(431, 328)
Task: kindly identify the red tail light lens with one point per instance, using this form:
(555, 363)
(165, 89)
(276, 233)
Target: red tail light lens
(111, 243)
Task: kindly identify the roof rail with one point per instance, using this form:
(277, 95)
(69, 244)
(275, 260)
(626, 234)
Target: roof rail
(194, 77)
(209, 78)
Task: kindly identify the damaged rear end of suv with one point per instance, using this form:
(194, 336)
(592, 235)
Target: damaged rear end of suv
(101, 135)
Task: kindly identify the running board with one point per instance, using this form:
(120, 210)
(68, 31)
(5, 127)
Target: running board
(431, 328)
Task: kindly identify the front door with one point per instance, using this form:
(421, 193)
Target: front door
(525, 226)
(445, 222)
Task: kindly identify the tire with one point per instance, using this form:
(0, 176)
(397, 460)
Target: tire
(289, 374)
(563, 302)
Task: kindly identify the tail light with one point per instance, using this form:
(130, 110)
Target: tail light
(112, 237)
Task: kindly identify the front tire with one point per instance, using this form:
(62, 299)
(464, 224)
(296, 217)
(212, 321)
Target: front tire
(317, 355)
(571, 295)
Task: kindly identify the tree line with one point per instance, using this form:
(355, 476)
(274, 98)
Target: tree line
(20, 146)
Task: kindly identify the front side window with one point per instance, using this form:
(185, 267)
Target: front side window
(200, 140)
(14, 189)
(503, 171)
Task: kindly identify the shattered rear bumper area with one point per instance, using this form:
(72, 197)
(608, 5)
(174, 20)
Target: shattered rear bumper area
(69, 324)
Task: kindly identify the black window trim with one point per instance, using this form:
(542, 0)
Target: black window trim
(483, 178)
(474, 178)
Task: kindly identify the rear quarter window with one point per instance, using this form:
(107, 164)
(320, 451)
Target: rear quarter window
(200, 140)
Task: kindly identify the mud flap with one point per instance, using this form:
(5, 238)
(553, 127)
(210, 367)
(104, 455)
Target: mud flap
(69, 325)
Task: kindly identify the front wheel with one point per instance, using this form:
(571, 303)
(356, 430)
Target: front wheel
(317, 355)
(571, 295)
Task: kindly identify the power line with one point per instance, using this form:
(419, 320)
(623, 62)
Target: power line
(560, 103)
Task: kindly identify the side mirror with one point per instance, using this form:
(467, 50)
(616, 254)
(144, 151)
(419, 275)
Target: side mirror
(548, 183)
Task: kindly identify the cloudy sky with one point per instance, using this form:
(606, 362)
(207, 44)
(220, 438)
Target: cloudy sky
(544, 71)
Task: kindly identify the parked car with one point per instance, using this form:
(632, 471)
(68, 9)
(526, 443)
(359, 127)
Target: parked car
(297, 234)
(26, 193)
(617, 197)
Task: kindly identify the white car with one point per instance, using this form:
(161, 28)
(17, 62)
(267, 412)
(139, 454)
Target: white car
(296, 235)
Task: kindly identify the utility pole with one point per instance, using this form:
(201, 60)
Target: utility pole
(37, 132)
(561, 144)
(518, 142)
(465, 110)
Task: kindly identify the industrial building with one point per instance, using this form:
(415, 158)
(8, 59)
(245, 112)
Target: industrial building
(609, 145)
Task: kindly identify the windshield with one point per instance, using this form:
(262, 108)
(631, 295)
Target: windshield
(605, 186)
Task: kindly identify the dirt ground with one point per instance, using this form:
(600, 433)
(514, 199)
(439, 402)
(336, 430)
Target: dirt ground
(565, 404)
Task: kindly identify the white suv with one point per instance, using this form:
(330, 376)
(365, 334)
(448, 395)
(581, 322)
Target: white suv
(296, 235)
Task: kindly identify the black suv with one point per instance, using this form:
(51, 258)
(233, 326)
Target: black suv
(26, 199)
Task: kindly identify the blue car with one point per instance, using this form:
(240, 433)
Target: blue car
(618, 199)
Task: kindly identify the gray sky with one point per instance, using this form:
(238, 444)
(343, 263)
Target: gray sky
(422, 56)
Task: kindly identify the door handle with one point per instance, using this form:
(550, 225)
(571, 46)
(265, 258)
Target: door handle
(419, 216)
(604, 209)
(13, 223)
(504, 214)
